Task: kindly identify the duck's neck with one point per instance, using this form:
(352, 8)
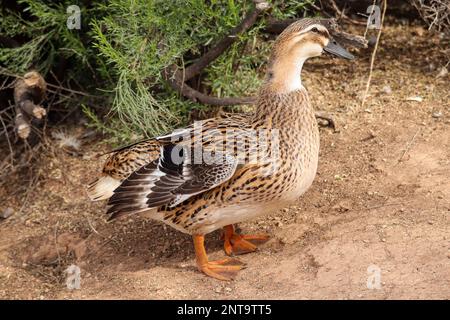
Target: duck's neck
(285, 77)
(282, 99)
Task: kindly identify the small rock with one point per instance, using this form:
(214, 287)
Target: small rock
(442, 73)
(228, 289)
(387, 89)
(342, 206)
(437, 114)
(415, 99)
(56, 174)
(218, 290)
(369, 136)
(418, 31)
(8, 212)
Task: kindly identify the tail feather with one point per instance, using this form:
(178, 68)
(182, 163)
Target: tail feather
(102, 188)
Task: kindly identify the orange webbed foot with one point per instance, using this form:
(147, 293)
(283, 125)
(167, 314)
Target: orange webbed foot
(225, 269)
(235, 244)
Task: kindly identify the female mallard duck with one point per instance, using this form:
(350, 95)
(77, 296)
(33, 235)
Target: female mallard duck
(172, 178)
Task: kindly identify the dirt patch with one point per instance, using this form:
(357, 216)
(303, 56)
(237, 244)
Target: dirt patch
(380, 200)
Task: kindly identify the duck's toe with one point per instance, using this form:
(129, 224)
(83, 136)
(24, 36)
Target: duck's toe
(225, 269)
(235, 244)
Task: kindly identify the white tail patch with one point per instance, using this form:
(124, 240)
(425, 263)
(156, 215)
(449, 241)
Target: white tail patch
(102, 188)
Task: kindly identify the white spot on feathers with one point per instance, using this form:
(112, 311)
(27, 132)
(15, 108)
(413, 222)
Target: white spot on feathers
(102, 188)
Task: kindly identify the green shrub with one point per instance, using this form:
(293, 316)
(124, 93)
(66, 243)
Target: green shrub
(124, 45)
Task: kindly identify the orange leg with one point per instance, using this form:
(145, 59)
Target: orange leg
(225, 269)
(237, 244)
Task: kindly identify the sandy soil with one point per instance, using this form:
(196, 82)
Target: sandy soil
(381, 200)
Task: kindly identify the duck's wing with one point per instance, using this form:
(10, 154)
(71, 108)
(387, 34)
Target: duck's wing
(170, 180)
(120, 164)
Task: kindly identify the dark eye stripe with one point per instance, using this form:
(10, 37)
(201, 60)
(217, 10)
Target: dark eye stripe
(324, 33)
(320, 31)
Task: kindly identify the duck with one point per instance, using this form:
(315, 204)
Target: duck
(221, 171)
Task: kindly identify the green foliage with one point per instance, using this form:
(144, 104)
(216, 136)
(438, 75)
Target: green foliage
(48, 34)
(125, 44)
(289, 9)
(138, 39)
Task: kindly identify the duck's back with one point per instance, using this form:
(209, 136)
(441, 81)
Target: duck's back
(121, 163)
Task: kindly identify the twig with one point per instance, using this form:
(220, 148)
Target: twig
(435, 13)
(9, 142)
(408, 146)
(43, 274)
(372, 59)
(342, 14)
(176, 82)
(73, 91)
(90, 225)
(56, 241)
(321, 10)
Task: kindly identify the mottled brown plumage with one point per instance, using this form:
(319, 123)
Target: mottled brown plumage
(253, 177)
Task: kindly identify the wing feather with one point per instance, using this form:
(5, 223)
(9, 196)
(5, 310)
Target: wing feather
(168, 182)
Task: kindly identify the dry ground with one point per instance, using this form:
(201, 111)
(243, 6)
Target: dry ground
(381, 197)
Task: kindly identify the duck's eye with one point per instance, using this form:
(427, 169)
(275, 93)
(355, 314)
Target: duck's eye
(315, 30)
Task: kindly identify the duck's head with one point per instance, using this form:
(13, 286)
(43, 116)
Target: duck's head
(303, 39)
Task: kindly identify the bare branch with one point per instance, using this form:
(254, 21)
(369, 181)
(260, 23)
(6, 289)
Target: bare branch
(372, 58)
(342, 14)
(435, 13)
(201, 63)
(175, 80)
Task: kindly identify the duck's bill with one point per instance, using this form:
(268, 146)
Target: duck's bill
(335, 48)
